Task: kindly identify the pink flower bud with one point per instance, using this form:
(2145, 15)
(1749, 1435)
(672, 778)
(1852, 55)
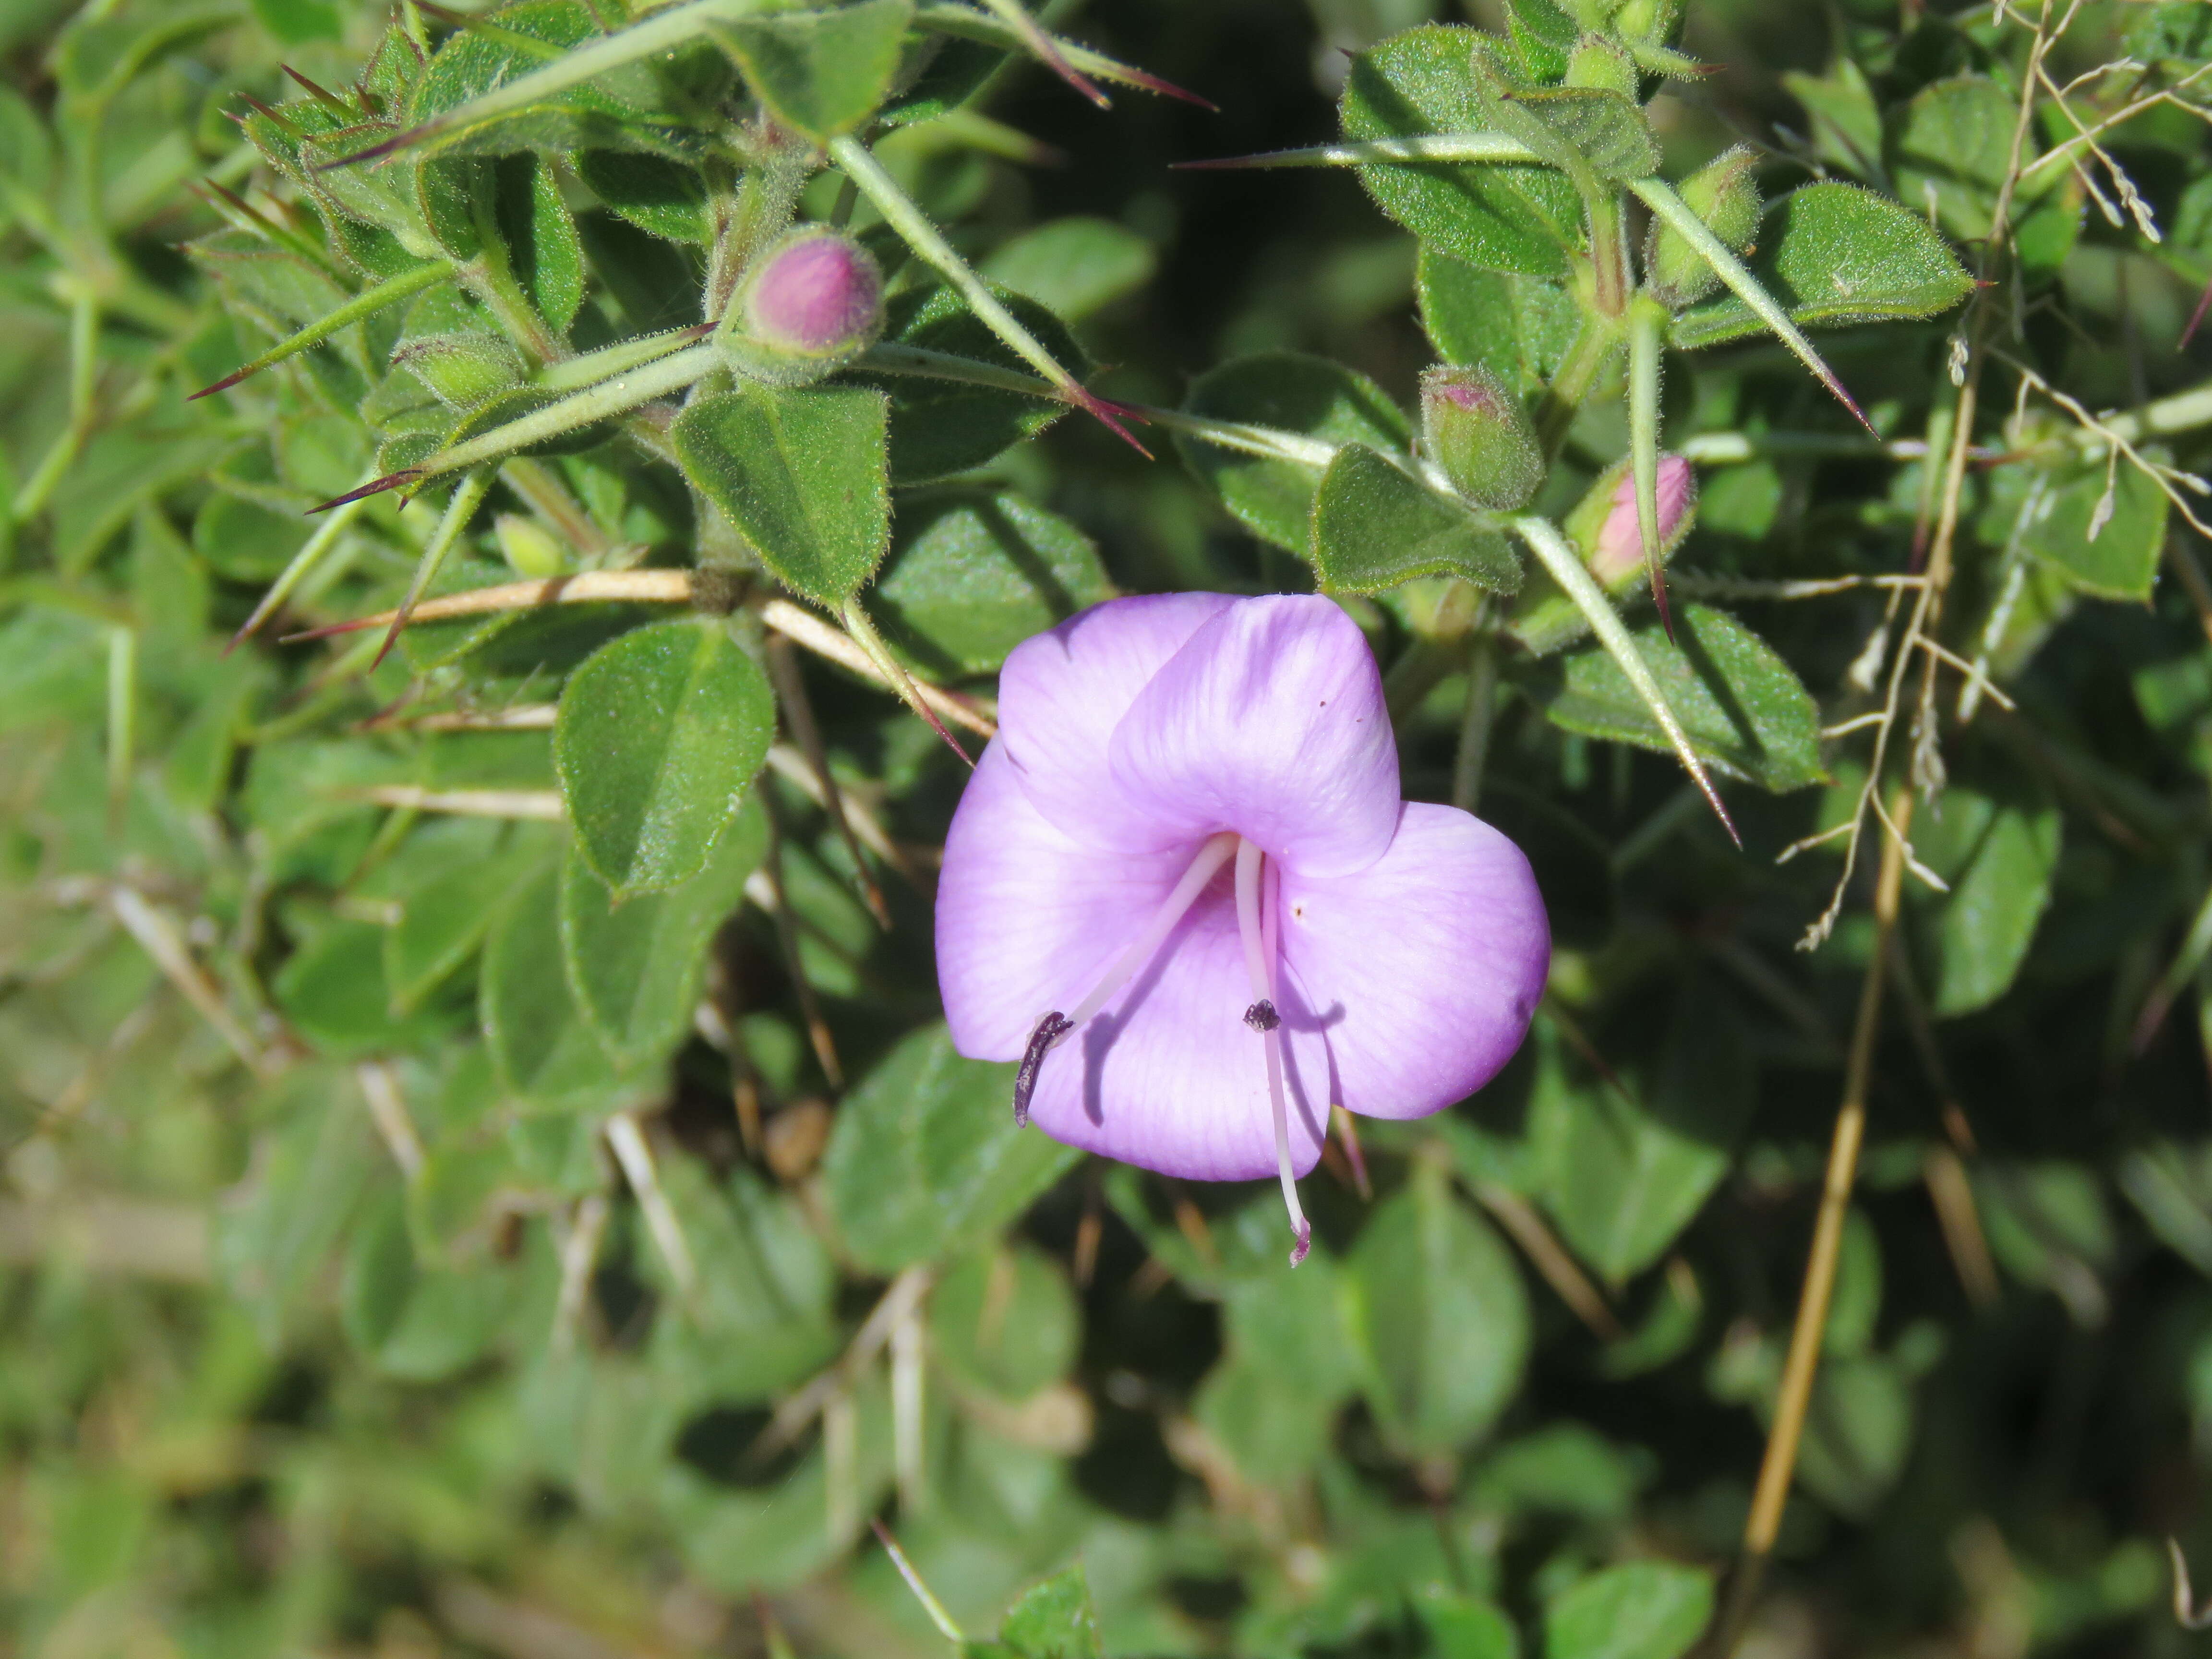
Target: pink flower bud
(1472, 426)
(810, 303)
(1620, 549)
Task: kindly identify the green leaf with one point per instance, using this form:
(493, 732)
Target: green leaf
(1642, 1610)
(1438, 1317)
(801, 474)
(543, 248)
(448, 896)
(939, 428)
(1492, 216)
(618, 103)
(655, 194)
(1461, 1627)
(1517, 327)
(659, 734)
(1950, 148)
(334, 991)
(1998, 851)
(273, 1237)
(1746, 712)
(1005, 1323)
(926, 1159)
(758, 1318)
(1846, 121)
(1272, 1404)
(1290, 392)
(1623, 1169)
(1832, 253)
(635, 966)
(2128, 510)
(1073, 266)
(1589, 131)
(1544, 38)
(539, 1038)
(1054, 1619)
(974, 574)
(1374, 526)
(820, 73)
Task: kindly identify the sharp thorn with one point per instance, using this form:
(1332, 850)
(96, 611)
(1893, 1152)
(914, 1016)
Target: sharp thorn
(324, 94)
(374, 487)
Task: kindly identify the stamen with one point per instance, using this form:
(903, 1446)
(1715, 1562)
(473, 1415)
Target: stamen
(1210, 857)
(1056, 1025)
(1258, 933)
(1049, 1031)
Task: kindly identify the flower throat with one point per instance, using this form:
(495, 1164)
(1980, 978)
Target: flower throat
(1258, 905)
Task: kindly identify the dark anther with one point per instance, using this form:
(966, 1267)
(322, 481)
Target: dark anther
(1049, 1031)
(1261, 1017)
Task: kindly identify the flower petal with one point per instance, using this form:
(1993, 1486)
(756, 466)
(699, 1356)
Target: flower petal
(1423, 969)
(1169, 1076)
(1028, 918)
(1270, 721)
(1062, 692)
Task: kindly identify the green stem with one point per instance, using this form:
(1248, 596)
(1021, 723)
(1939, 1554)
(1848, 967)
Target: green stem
(367, 303)
(1646, 319)
(1476, 723)
(1609, 233)
(468, 495)
(612, 396)
(326, 538)
(860, 166)
(1681, 217)
(1577, 376)
(1566, 565)
(1455, 147)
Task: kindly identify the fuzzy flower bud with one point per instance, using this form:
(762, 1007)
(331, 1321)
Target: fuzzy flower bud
(811, 304)
(529, 547)
(1725, 197)
(1597, 60)
(1605, 524)
(1474, 428)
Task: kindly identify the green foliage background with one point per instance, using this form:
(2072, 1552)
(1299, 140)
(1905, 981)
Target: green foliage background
(483, 1170)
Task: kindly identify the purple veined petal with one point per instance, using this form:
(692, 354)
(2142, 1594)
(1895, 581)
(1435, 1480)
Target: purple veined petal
(1269, 721)
(1169, 1076)
(1423, 969)
(1062, 692)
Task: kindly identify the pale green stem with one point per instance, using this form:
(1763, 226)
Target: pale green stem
(1659, 198)
(367, 303)
(122, 715)
(593, 367)
(84, 368)
(468, 495)
(1646, 318)
(1456, 146)
(1570, 386)
(766, 201)
(612, 396)
(966, 23)
(1476, 723)
(1557, 556)
(860, 166)
(1609, 232)
(326, 538)
(661, 33)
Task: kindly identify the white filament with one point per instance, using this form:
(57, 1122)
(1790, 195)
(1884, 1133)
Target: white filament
(1256, 926)
(1210, 857)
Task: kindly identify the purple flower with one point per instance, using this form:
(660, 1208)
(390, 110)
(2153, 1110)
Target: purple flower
(1184, 864)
